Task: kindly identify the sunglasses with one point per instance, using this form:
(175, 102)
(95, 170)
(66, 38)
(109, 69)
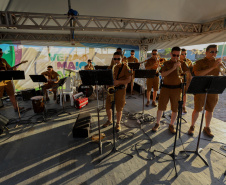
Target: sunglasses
(116, 58)
(132, 54)
(184, 54)
(154, 53)
(175, 55)
(213, 52)
(49, 69)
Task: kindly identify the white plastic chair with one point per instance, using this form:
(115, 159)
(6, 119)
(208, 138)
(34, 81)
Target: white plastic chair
(68, 90)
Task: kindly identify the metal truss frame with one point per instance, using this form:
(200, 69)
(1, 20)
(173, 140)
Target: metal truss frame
(25, 20)
(66, 37)
(214, 26)
(170, 30)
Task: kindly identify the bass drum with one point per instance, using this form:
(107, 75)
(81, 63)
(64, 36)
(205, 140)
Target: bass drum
(86, 89)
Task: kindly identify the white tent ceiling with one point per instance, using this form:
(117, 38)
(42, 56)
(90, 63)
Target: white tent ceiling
(195, 11)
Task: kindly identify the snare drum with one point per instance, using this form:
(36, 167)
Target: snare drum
(38, 104)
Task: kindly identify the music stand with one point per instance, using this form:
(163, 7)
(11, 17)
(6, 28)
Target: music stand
(40, 78)
(143, 73)
(13, 75)
(101, 67)
(133, 66)
(95, 77)
(205, 85)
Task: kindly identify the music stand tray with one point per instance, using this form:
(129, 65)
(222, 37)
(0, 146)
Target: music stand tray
(38, 78)
(134, 65)
(205, 85)
(100, 67)
(12, 75)
(143, 73)
(96, 77)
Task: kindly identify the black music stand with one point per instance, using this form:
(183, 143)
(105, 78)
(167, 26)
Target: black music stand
(60, 84)
(95, 77)
(102, 68)
(143, 73)
(13, 75)
(40, 78)
(133, 66)
(178, 127)
(205, 85)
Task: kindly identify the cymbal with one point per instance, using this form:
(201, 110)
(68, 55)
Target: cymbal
(69, 70)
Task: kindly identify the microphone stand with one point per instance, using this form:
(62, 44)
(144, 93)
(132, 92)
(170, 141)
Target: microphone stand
(178, 128)
(114, 149)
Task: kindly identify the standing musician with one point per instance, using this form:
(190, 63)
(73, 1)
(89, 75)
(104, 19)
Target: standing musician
(53, 79)
(7, 84)
(132, 59)
(171, 87)
(89, 66)
(124, 59)
(152, 64)
(121, 76)
(204, 67)
(188, 75)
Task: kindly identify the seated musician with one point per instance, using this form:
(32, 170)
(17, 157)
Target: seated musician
(171, 87)
(53, 79)
(122, 76)
(7, 84)
(89, 66)
(132, 59)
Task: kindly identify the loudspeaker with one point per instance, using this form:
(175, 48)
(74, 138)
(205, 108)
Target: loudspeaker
(27, 94)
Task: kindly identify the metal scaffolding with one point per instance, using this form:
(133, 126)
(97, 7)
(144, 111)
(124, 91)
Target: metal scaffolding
(166, 30)
(25, 20)
(66, 37)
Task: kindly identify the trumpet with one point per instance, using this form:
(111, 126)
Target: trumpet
(222, 67)
(179, 70)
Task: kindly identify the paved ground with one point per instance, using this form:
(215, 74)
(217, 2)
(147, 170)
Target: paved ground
(46, 152)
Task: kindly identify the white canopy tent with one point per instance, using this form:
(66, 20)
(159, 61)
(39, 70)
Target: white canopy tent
(155, 35)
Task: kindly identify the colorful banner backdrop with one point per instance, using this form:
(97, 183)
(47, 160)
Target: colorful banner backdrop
(61, 58)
